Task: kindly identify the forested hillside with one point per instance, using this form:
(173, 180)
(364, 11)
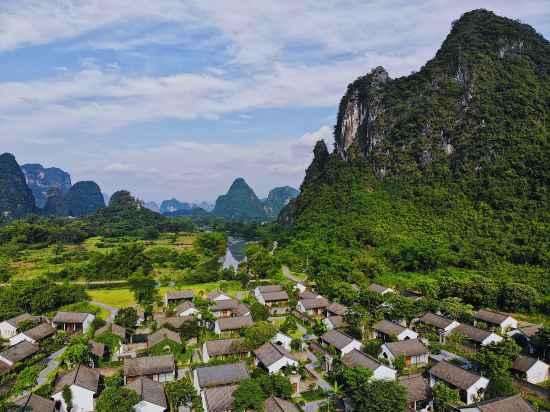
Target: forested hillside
(441, 172)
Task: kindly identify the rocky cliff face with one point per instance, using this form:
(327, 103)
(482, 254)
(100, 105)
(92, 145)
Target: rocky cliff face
(55, 204)
(240, 203)
(277, 199)
(153, 206)
(84, 198)
(40, 180)
(465, 113)
(173, 205)
(16, 199)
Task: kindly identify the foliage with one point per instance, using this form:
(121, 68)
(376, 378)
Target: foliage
(127, 317)
(252, 393)
(26, 379)
(259, 312)
(77, 352)
(144, 288)
(211, 243)
(117, 399)
(258, 334)
(444, 395)
(180, 392)
(119, 263)
(67, 397)
(495, 362)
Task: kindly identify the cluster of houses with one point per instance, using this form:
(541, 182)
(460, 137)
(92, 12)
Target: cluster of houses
(224, 361)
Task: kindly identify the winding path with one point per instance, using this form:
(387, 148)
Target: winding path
(112, 311)
(53, 363)
(288, 274)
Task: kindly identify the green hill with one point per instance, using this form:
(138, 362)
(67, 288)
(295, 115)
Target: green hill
(239, 203)
(445, 171)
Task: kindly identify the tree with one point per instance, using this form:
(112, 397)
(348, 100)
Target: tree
(117, 399)
(67, 397)
(444, 395)
(495, 362)
(144, 288)
(259, 312)
(76, 353)
(543, 337)
(258, 334)
(180, 392)
(211, 243)
(380, 396)
(399, 363)
(517, 297)
(127, 317)
(249, 394)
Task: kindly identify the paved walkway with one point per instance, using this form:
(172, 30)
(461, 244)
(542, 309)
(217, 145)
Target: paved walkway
(323, 384)
(53, 363)
(112, 311)
(288, 274)
(313, 406)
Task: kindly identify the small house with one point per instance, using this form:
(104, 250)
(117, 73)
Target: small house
(470, 385)
(18, 352)
(216, 296)
(413, 350)
(335, 322)
(274, 358)
(526, 337)
(34, 335)
(530, 369)
(272, 297)
(340, 341)
(274, 404)
(220, 375)
(419, 393)
(224, 308)
(282, 340)
(73, 321)
(177, 297)
(501, 322)
(219, 398)
(157, 368)
(8, 328)
(99, 352)
(509, 404)
(356, 358)
(83, 383)
(165, 337)
(313, 307)
(114, 329)
(442, 325)
(228, 325)
(386, 331)
(151, 395)
(478, 336)
(223, 348)
(336, 309)
(185, 309)
(383, 290)
(308, 294)
(32, 402)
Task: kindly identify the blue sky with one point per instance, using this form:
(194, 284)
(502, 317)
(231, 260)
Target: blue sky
(176, 98)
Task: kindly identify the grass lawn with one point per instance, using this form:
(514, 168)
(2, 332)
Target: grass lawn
(123, 297)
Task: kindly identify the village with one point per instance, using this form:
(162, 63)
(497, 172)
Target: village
(215, 343)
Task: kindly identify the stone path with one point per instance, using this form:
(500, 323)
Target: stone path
(288, 274)
(112, 311)
(53, 363)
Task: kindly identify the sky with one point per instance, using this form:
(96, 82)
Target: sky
(177, 98)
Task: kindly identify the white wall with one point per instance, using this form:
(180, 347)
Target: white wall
(284, 339)
(538, 373)
(188, 312)
(492, 338)
(7, 330)
(205, 355)
(354, 344)
(407, 333)
(144, 406)
(83, 400)
(88, 322)
(509, 323)
(384, 373)
(328, 324)
(281, 363)
(472, 391)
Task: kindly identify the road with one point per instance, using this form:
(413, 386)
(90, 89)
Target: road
(288, 274)
(53, 363)
(112, 311)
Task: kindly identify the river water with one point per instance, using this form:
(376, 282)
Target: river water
(235, 253)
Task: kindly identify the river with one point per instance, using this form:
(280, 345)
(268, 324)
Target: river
(235, 253)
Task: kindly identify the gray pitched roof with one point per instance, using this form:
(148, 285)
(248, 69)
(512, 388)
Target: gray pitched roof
(149, 365)
(82, 376)
(337, 339)
(357, 358)
(97, 348)
(269, 353)
(456, 376)
(337, 308)
(16, 320)
(510, 404)
(227, 304)
(388, 328)
(530, 330)
(241, 310)
(476, 334)
(307, 294)
(315, 303)
(432, 319)
(70, 317)
(490, 316)
(182, 307)
(375, 287)
(220, 399)
(269, 288)
(338, 321)
(275, 296)
(221, 347)
(40, 332)
(214, 294)
(417, 387)
(113, 328)
(237, 322)
(218, 375)
(35, 403)
(149, 391)
(274, 404)
(20, 351)
(524, 363)
(180, 294)
(162, 334)
(410, 347)
(176, 321)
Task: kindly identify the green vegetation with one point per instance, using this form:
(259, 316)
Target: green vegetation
(252, 393)
(117, 399)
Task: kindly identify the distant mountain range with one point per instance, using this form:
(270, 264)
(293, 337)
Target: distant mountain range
(33, 188)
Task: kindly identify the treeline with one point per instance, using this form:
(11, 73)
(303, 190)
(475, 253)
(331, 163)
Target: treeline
(37, 296)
